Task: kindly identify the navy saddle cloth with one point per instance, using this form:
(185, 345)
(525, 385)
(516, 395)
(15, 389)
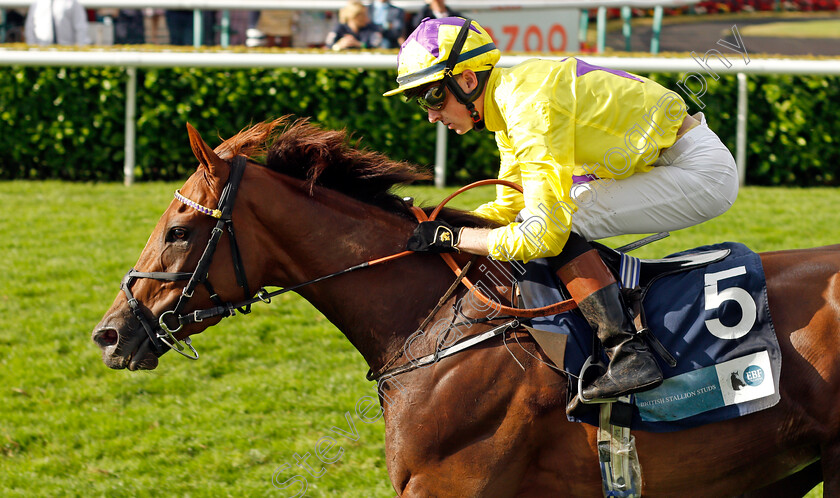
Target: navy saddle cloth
(714, 320)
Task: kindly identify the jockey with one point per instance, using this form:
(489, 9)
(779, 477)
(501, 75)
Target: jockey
(599, 153)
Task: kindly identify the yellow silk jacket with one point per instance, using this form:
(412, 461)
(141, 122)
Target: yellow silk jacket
(557, 119)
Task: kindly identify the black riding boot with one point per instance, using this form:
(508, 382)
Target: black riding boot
(632, 367)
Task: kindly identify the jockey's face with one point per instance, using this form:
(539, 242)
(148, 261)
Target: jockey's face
(454, 114)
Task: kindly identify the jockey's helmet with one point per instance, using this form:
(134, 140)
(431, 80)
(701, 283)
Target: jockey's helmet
(438, 50)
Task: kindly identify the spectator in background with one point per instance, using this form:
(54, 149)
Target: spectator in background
(311, 28)
(254, 37)
(276, 27)
(210, 27)
(56, 22)
(238, 23)
(129, 27)
(180, 25)
(391, 22)
(354, 29)
(155, 22)
(436, 9)
(15, 19)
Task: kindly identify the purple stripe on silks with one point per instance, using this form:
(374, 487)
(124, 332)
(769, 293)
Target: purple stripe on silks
(427, 33)
(583, 178)
(583, 68)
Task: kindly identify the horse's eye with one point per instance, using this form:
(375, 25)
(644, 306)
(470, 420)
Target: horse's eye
(177, 233)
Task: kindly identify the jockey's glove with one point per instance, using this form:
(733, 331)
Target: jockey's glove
(434, 236)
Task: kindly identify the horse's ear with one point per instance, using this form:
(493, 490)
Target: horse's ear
(217, 170)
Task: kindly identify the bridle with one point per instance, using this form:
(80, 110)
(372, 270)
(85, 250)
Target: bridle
(162, 336)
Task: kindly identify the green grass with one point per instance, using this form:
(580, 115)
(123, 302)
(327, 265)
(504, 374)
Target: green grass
(802, 29)
(267, 387)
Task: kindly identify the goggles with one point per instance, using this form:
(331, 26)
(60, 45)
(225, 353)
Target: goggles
(433, 97)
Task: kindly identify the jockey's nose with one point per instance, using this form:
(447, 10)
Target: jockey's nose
(434, 116)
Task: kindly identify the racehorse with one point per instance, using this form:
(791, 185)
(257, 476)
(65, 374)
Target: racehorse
(489, 421)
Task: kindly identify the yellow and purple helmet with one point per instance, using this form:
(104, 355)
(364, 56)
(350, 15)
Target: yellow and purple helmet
(433, 52)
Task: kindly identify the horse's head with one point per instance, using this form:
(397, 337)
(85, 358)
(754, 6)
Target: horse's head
(317, 205)
(165, 284)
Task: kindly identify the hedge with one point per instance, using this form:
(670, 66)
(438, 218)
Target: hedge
(68, 123)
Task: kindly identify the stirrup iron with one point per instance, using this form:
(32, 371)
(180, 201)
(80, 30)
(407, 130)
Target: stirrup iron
(592, 362)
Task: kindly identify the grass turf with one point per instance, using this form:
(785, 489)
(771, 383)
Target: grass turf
(268, 386)
(825, 28)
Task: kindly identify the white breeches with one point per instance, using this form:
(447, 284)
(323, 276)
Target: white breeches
(694, 181)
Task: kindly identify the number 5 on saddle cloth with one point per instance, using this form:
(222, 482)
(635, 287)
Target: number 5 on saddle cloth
(707, 307)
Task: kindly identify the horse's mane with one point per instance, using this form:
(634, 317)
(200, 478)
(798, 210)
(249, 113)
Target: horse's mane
(332, 159)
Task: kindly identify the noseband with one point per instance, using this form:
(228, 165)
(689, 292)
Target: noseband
(162, 337)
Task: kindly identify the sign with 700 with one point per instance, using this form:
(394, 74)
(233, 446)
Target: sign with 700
(531, 30)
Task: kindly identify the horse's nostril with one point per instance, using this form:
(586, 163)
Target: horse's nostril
(106, 337)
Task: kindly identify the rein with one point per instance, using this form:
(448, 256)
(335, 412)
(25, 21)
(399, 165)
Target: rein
(551, 309)
(162, 337)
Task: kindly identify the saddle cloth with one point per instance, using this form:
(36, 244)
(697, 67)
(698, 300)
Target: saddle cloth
(715, 320)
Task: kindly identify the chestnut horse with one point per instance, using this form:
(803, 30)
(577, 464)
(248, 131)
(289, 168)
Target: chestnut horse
(490, 420)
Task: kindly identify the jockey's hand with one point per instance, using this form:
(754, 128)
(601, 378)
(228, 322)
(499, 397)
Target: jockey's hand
(434, 236)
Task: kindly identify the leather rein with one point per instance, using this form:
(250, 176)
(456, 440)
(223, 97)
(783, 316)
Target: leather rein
(162, 336)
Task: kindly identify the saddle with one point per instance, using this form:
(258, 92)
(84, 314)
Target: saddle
(649, 270)
(538, 286)
(636, 276)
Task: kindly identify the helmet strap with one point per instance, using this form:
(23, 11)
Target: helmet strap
(478, 121)
(452, 60)
(467, 99)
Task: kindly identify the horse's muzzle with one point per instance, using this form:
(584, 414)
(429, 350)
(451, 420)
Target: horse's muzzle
(124, 344)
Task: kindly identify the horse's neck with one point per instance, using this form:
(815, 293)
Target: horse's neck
(377, 308)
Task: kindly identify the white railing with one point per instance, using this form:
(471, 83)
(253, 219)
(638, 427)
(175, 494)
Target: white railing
(372, 60)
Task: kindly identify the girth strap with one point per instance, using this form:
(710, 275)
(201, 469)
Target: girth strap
(439, 355)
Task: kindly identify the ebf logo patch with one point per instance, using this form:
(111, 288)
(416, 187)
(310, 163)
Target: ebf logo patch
(753, 375)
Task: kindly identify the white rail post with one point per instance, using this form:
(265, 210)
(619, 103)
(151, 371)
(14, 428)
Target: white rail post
(601, 23)
(130, 131)
(224, 38)
(198, 27)
(440, 156)
(584, 27)
(626, 27)
(741, 129)
(656, 29)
